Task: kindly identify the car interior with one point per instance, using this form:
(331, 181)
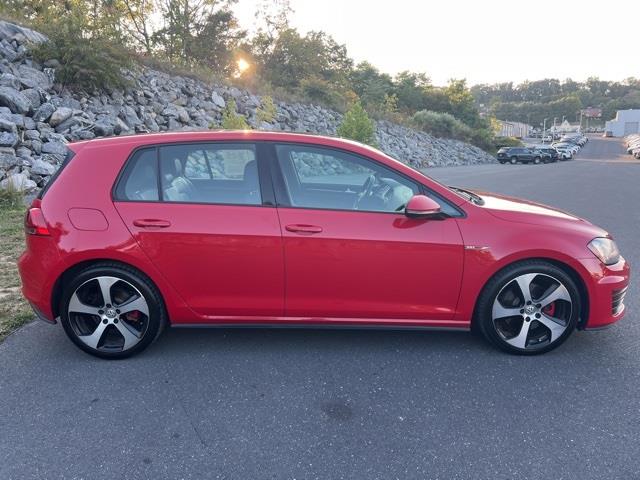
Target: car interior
(317, 180)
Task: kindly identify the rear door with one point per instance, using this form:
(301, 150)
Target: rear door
(205, 216)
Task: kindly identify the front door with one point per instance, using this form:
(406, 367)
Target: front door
(350, 252)
(197, 211)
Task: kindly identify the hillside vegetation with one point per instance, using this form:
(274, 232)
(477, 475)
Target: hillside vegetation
(532, 102)
(203, 38)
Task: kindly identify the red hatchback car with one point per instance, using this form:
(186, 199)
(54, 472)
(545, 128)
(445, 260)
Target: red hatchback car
(277, 229)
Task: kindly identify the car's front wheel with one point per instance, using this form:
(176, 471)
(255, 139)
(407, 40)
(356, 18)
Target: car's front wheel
(112, 311)
(528, 308)
(514, 160)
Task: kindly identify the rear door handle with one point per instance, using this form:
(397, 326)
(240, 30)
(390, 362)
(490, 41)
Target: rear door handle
(303, 229)
(151, 223)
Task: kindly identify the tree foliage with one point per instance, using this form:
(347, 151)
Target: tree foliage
(267, 110)
(356, 125)
(231, 119)
(532, 102)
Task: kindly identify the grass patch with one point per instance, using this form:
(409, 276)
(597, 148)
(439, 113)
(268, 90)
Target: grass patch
(14, 309)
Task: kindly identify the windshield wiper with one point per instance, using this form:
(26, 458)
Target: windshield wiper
(474, 198)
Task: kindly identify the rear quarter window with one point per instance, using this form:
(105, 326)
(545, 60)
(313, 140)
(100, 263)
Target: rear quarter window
(139, 180)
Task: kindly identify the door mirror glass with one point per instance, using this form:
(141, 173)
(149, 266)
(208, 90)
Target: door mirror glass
(421, 206)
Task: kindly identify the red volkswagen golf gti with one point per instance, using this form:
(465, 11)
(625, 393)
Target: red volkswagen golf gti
(276, 229)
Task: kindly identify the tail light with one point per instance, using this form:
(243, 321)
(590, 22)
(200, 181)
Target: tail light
(34, 222)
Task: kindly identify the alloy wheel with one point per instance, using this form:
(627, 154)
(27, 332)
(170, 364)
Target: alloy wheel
(532, 311)
(108, 314)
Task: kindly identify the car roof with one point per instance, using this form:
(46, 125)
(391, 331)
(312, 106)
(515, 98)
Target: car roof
(137, 140)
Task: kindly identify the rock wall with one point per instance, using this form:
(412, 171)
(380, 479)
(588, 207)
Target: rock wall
(37, 118)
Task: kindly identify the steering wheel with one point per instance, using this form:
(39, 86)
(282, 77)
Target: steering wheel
(367, 189)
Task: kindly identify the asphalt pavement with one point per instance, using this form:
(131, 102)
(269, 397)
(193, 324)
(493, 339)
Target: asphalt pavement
(306, 404)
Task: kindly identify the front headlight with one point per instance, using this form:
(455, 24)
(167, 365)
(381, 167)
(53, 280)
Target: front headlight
(605, 249)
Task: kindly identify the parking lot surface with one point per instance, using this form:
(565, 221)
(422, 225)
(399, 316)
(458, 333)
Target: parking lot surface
(331, 404)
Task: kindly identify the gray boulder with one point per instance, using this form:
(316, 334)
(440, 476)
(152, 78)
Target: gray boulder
(8, 158)
(31, 135)
(54, 147)
(8, 139)
(60, 115)
(18, 181)
(7, 125)
(32, 78)
(129, 116)
(42, 168)
(33, 95)
(11, 31)
(103, 129)
(14, 100)
(43, 113)
(9, 80)
(218, 100)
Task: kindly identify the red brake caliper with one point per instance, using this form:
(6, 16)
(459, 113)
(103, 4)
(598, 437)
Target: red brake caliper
(550, 309)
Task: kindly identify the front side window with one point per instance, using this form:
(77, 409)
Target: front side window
(324, 178)
(210, 173)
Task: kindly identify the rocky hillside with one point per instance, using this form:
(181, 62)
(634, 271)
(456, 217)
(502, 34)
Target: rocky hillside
(37, 117)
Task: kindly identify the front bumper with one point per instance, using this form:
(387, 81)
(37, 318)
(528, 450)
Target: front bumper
(607, 286)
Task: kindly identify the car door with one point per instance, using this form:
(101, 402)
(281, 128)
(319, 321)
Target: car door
(204, 214)
(350, 252)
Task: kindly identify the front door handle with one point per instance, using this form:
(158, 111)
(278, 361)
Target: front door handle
(151, 223)
(303, 229)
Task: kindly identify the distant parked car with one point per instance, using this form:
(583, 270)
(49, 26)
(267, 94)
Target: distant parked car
(566, 145)
(549, 154)
(514, 155)
(607, 133)
(564, 153)
(637, 154)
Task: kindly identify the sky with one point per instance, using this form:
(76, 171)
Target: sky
(484, 41)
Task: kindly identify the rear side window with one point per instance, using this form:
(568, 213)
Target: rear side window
(221, 173)
(139, 181)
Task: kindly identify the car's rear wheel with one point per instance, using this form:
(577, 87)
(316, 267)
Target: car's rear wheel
(536, 160)
(514, 160)
(529, 308)
(112, 311)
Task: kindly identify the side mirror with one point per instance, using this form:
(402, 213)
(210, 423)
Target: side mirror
(421, 206)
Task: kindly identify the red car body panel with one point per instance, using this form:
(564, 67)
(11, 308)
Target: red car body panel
(218, 264)
(237, 249)
(371, 265)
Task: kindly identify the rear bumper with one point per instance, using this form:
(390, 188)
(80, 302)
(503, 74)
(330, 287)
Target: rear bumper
(607, 287)
(37, 267)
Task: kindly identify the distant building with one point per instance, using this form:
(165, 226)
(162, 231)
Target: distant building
(625, 123)
(513, 129)
(564, 127)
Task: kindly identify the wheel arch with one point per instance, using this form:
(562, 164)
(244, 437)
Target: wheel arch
(568, 269)
(70, 272)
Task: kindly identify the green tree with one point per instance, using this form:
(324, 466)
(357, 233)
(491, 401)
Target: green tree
(231, 119)
(185, 21)
(356, 125)
(371, 86)
(267, 110)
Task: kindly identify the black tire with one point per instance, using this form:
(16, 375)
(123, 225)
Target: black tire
(484, 322)
(514, 160)
(155, 322)
(536, 160)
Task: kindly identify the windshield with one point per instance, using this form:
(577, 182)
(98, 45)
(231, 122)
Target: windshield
(464, 194)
